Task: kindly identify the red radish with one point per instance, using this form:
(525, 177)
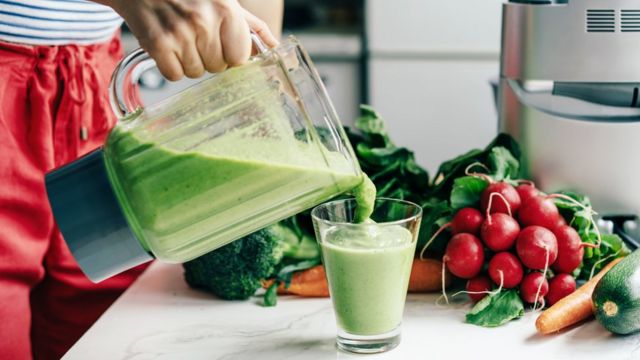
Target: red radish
(498, 205)
(464, 256)
(530, 285)
(560, 286)
(570, 250)
(467, 220)
(561, 222)
(499, 231)
(505, 268)
(532, 246)
(526, 192)
(541, 211)
(478, 287)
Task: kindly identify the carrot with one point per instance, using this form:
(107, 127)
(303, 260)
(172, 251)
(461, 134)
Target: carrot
(311, 283)
(426, 275)
(572, 308)
(308, 283)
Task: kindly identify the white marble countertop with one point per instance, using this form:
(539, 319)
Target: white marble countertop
(159, 317)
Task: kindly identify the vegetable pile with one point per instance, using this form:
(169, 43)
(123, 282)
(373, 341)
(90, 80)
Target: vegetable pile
(295, 268)
(507, 243)
(511, 243)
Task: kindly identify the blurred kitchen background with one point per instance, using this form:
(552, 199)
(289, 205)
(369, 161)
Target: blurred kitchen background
(425, 65)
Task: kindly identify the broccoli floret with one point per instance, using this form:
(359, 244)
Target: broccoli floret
(236, 270)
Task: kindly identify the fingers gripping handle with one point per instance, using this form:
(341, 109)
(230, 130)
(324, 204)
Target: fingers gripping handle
(124, 92)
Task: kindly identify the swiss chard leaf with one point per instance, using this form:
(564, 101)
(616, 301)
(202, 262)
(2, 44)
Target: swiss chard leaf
(285, 274)
(495, 310)
(466, 192)
(455, 168)
(434, 213)
(392, 169)
(502, 164)
(371, 124)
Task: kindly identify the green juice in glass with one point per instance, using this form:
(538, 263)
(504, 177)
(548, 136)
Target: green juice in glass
(368, 268)
(368, 272)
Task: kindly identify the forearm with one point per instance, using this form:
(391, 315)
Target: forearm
(270, 11)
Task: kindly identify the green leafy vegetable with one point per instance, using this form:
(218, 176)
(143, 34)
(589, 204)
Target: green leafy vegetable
(498, 309)
(435, 213)
(392, 169)
(580, 217)
(502, 164)
(612, 247)
(455, 168)
(466, 192)
(271, 295)
(284, 276)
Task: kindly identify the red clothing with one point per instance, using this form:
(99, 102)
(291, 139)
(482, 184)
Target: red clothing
(53, 108)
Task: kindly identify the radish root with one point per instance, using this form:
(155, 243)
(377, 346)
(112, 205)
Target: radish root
(444, 292)
(544, 276)
(593, 268)
(485, 177)
(433, 237)
(504, 200)
(488, 292)
(588, 209)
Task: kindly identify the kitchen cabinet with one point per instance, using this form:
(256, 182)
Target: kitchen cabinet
(433, 26)
(159, 317)
(439, 108)
(429, 70)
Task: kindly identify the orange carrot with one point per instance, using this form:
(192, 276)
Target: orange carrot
(308, 283)
(572, 308)
(426, 276)
(311, 283)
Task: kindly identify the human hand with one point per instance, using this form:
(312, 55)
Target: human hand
(187, 37)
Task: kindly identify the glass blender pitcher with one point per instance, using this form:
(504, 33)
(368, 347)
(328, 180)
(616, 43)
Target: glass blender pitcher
(230, 155)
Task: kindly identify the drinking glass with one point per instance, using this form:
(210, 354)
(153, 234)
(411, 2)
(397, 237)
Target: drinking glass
(367, 267)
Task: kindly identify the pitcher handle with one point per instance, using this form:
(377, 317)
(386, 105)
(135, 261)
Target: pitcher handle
(124, 93)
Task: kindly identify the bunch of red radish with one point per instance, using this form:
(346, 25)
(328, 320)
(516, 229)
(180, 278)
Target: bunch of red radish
(520, 234)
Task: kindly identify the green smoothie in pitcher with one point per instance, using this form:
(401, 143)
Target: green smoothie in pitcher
(198, 180)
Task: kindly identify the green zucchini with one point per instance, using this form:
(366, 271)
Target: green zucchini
(616, 298)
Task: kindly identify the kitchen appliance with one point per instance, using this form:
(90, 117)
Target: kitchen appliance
(228, 156)
(569, 94)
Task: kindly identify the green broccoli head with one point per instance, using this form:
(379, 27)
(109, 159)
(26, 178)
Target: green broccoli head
(236, 270)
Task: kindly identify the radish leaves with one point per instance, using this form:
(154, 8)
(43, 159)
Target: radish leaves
(496, 309)
(466, 192)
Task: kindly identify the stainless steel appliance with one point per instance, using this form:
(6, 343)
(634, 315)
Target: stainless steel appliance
(569, 93)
